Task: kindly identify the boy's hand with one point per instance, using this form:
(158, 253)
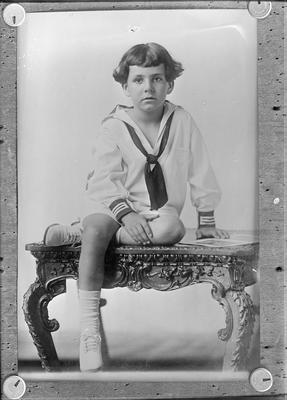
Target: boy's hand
(211, 232)
(138, 228)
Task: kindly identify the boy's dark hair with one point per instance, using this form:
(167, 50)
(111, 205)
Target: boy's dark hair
(147, 55)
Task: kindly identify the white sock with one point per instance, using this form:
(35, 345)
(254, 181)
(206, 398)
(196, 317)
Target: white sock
(90, 310)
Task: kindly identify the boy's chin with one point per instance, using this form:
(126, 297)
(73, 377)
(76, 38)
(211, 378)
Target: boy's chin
(149, 107)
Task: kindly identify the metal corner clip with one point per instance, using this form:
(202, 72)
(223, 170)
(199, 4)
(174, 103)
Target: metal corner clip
(259, 9)
(14, 14)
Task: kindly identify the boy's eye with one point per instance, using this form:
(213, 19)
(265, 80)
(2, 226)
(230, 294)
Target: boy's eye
(138, 80)
(158, 79)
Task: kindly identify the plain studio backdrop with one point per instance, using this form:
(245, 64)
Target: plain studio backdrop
(65, 89)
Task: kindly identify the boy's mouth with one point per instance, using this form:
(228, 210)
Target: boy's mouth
(149, 98)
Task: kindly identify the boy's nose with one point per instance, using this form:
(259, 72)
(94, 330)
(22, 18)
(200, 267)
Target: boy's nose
(148, 86)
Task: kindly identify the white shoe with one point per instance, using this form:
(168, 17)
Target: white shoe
(90, 351)
(60, 235)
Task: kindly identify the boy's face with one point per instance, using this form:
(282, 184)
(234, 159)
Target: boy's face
(147, 87)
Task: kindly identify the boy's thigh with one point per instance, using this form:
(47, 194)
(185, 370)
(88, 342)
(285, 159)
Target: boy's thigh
(167, 229)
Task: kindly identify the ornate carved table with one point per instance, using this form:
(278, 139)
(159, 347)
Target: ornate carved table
(228, 269)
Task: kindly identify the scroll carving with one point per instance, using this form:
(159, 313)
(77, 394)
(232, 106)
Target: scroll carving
(219, 295)
(165, 272)
(35, 308)
(245, 328)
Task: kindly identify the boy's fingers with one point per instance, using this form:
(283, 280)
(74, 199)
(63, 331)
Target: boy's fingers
(140, 234)
(223, 234)
(144, 234)
(147, 229)
(134, 235)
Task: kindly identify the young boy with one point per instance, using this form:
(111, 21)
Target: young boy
(145, 156)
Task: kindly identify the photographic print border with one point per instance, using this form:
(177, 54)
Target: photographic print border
(270, 68)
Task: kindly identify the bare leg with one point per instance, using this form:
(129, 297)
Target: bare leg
(167, 229)
(98, 230)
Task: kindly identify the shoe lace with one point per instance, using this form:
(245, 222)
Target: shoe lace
(90, 342)
(73, 237)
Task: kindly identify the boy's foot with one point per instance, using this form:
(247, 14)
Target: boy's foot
(60, 235)
(90, 351)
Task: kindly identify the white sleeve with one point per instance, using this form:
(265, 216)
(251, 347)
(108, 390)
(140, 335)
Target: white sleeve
(106, 182)
(204, 190)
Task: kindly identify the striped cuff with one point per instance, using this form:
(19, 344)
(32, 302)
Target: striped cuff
(206, 218)
(120, 208)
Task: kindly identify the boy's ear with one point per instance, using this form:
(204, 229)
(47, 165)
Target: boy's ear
(125, 89)
(170, 88)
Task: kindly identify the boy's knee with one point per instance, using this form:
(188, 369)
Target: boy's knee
(167, 230)
(98, 227)
(90, 227)
(180, 230)
(177, 231)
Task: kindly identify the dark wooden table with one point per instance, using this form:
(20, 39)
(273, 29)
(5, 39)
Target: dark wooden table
(229, 270)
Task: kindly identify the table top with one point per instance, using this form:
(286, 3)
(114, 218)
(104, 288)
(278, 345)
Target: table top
(246, 249)
(241, 242)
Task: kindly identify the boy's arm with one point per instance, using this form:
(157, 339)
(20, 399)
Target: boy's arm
(204, 189)
(105, 184)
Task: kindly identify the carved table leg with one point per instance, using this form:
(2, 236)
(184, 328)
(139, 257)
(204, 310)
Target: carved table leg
(35, 307)
(240, 318)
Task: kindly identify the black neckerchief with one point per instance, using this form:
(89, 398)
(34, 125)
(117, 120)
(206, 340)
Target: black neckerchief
(153, 177)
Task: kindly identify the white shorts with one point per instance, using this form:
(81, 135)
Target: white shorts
(97, 208)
